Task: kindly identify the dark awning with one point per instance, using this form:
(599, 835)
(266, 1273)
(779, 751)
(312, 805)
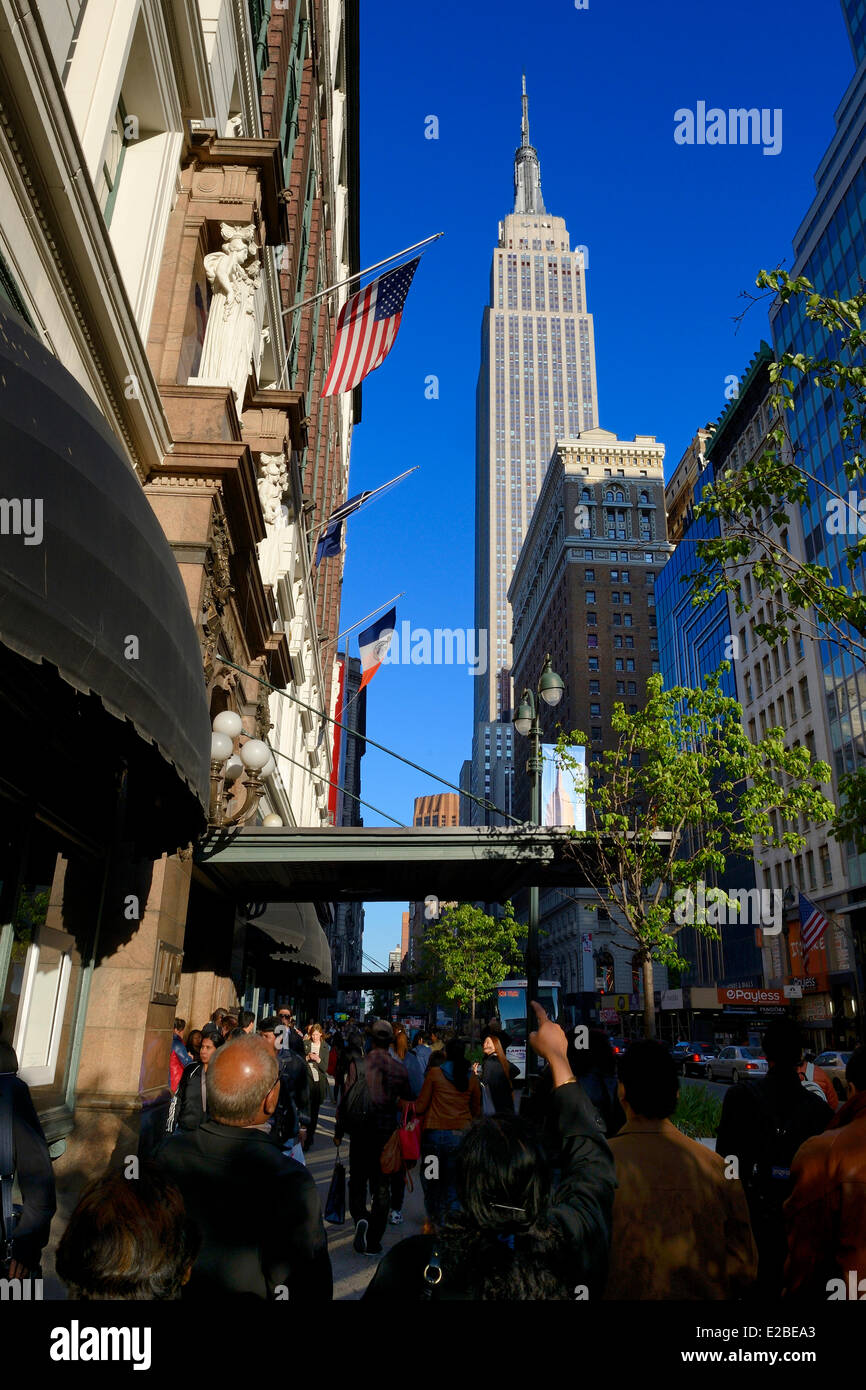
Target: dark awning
(298, 935)
(88, 581)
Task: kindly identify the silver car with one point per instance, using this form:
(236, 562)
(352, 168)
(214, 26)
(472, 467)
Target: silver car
(737, 1064)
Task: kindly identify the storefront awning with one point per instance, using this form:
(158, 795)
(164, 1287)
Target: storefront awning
(88, 581)
(299, 938)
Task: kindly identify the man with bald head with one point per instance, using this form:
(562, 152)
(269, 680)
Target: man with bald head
(257, 1210)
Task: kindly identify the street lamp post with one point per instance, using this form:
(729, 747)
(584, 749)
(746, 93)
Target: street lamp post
(527, 722)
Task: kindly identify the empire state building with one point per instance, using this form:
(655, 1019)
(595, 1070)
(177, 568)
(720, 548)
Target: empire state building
(536, 385)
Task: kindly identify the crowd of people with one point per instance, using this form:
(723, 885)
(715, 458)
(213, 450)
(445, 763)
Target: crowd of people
(589, 1191)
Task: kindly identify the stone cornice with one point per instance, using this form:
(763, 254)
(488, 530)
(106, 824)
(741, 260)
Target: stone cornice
(239, 152)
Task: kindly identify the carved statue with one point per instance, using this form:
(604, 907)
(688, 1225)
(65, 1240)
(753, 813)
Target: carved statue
(233, 274)
(273, 480)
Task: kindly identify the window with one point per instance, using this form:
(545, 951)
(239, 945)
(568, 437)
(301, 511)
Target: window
(595, 734)
(810, 866)
(635, 759)
(620, 687)
(628, 620)
(109, 176)
(618, 664)
(592, 619)
(626, 598)
(632, 687)
(614, 598)
(614, 576)
(593, 663)
(617, 641)
(826, 866)
(805, 702)
(594, 688)
(629, 642)
(792, 703)
(624, 577)
(590, 595)
(629, 665)
(595, 711)
(592, 639)
(632, 709)
(617, 620)
(589, 576)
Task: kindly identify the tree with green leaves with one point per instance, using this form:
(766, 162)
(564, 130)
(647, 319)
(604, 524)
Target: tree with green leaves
(682, 790)
(752, 505)
(473, 952)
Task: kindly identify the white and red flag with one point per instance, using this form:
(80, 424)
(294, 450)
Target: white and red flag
(367, 327)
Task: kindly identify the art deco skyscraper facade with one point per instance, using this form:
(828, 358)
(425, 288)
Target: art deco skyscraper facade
(536, 385)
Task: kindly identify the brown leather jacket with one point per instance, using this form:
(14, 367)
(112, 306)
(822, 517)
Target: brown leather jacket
(826, 1212)
(440, 1104)
(681, 1228)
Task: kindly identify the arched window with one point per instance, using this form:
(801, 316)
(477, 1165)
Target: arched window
(608, 496)
(585, 495)
(620, 495)
(643, 499)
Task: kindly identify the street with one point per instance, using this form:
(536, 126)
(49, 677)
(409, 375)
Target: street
(715, 1088)
(353, 1272)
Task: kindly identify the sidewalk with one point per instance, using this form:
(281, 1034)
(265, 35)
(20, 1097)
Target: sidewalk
(353, 1272)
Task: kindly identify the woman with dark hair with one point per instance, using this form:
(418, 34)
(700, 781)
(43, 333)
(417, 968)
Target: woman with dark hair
(317, 1064)
(128, 1238)
(450, 1100)
(497, 1076)
(514, 1238)
(193, 1043)
(189, 1103)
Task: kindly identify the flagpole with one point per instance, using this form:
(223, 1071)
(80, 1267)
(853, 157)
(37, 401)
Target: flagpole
(293, 308)
(391, 483)
(371, 614)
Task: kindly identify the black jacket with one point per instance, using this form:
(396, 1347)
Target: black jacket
(294, 1106)
(501, 1093)
(258, 1213)
(581, 1209)
(34, 1175)
(186, 1110)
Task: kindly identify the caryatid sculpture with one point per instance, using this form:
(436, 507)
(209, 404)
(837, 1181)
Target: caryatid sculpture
(233, 274)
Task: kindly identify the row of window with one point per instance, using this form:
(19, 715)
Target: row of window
(804, 867)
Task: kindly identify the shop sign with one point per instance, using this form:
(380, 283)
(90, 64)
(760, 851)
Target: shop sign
(734, 996)
(672, 999)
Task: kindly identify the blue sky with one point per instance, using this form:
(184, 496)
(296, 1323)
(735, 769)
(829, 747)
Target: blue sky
(674, 234)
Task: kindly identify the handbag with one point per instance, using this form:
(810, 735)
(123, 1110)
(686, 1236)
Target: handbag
(335, 1206)
(409, 1135)
(392, 1155)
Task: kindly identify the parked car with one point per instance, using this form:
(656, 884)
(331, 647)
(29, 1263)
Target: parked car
(696, 1058)
(834, 1063)
(737, 1063)
(679, 1052)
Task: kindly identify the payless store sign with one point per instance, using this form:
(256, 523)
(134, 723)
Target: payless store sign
(744, 998)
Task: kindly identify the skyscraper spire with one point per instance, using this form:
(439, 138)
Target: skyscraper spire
(527, 173)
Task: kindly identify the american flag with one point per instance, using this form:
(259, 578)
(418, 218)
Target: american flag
(813, 923)
(367, 327)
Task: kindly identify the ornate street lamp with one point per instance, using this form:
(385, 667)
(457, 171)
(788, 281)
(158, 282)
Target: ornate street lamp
(526, 721)
(227, 766)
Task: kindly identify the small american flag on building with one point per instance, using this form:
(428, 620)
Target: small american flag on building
(813, 923)
(367, 327)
